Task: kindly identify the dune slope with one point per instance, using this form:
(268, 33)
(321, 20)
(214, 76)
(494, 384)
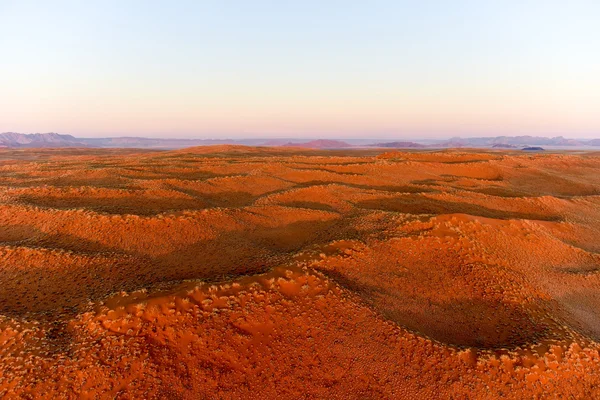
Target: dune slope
(235, 272)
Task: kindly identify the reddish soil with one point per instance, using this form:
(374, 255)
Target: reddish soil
(234, 272)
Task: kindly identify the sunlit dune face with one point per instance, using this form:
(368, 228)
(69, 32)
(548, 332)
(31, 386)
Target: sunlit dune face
(234, 272)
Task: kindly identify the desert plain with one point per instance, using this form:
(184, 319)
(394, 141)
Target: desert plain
(240, 272)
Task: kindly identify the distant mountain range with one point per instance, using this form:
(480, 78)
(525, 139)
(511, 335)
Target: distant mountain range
(140, 142)
(516, 141)
(320, 144)
(20, 140)
(502, 142)
(400, 145)
(11, 139)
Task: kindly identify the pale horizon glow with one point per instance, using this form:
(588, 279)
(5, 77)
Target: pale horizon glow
(328, 69)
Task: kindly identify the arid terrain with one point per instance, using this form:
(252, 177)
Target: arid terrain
(244, 272)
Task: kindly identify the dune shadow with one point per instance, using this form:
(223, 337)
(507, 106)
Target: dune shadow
(142, 205)
(311, 205)
(457, 321)
(53, 283)
(426, 205)
(384, 188)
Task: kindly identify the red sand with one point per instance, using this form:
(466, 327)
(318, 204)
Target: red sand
(232, 272)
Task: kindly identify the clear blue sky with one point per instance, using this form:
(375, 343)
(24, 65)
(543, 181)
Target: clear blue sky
(301, 68)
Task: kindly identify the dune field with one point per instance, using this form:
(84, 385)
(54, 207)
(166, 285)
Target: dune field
(241, 272)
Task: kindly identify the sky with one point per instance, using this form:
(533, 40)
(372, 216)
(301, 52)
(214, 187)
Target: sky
(326, 68)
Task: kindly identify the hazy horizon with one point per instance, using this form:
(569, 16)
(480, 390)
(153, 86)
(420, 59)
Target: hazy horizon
(344, 70)
(365, 139)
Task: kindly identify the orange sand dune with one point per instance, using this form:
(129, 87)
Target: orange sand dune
(234, 272)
